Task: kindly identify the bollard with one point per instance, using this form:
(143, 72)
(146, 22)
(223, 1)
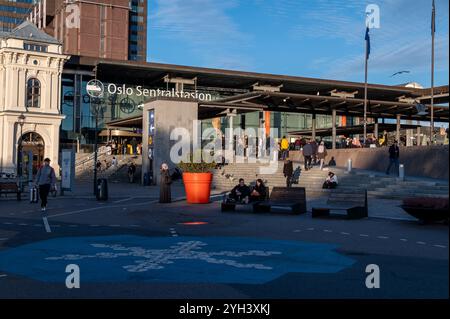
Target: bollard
(401, 172)
(349, 165)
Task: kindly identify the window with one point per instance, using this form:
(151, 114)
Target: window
(35, 47)
(33, 93)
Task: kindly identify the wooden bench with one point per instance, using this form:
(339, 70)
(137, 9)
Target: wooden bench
(292, 199)
(10, 188)
(355, 206)
(231, 206)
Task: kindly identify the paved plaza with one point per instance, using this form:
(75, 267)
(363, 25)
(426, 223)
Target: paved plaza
(133, 247)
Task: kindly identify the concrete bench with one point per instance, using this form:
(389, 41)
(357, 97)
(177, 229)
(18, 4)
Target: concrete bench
(292, 200)
(354, 205)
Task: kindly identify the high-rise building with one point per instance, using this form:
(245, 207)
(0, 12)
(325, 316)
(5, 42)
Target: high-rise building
(137, 49)
(14, 12)
(109, 29)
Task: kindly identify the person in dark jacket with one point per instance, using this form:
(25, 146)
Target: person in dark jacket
(307, 155)
(288, 170)
(45, 180)
(165, 195)
(258, 192)
(131, 172)
(240, 192)
(394, 155)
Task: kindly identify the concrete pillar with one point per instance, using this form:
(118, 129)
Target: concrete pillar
(397, 133)
(375, 130)
(418, 139)
(313, 129)
(333, 126)
(168, 114)
(231, 134)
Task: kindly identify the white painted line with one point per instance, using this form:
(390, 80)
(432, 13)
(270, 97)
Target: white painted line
(310, 229)
(7, 223)
(297, 231)
(363, 235)
(174, 235)
(403, 239)
(123, 200)
(440, 246)
(37, 225)
(382, 237)
(327, 231)
(47, 226)
(2, 276)
(421, 243)
(23, 224)
(135, 225)
(344, 233)
(100, 208)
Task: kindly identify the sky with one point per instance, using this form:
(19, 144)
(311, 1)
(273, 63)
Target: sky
(309, 38)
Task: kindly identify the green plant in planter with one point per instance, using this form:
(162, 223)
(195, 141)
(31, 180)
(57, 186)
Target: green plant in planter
(189, 166)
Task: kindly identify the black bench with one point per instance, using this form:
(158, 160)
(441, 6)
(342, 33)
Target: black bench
(10, 188)
(355, 206)
(227, 206)
(293, 198)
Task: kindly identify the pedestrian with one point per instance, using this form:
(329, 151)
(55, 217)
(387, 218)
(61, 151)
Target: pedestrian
(114, 162)
(98, 166)
(288, 170)
(284, 147)
(394, 155)
(314, 151)
(45, 180)
(124, 147)
(307, 154)
(297, 144)
(321, 153)
(331, 181)
(165, 195)
(134, 145)
(131, 172)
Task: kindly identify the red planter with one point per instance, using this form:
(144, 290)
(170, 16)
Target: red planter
(198, 187)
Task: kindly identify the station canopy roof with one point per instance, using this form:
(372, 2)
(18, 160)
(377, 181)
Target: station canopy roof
(249, 91)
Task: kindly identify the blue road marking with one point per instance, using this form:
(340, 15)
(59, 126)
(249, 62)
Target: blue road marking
(123, 258)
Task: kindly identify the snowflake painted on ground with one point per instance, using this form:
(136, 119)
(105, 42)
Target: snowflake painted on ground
(156, 258)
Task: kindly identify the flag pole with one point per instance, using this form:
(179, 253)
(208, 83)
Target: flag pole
(365, 85)
(433, 29)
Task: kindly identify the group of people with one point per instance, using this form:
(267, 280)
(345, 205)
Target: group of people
(314, 153)
(243, 193)
(116, 148)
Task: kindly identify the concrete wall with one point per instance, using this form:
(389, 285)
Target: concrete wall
(422, 161)
(169, 114)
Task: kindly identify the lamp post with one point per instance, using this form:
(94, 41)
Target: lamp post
(96, 107)
(21, 121)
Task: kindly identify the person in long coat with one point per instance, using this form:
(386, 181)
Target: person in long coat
(165, 193)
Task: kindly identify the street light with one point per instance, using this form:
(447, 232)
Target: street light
(21, 121)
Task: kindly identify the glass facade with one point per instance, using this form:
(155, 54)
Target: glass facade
(80, 119)
(13, 13)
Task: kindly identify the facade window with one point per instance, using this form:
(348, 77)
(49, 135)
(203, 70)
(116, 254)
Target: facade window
(33, 93)
(35, 47)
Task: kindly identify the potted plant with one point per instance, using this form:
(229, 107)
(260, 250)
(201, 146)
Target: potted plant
(197, 178)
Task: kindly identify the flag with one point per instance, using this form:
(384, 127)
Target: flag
(367, 43)
(433, 20)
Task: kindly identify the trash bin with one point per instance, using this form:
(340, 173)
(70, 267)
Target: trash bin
(102, 189)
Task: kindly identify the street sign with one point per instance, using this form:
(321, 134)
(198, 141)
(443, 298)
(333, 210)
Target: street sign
(67, 169)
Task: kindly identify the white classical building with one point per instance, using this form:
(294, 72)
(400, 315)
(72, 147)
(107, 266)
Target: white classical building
(31, 64)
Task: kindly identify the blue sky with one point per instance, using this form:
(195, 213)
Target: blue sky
(311, 38)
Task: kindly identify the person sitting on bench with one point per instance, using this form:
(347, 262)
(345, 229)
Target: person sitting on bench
(331, 181)
(258, 192)
(240, 193)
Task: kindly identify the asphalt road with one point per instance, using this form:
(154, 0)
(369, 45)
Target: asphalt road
(137, 248)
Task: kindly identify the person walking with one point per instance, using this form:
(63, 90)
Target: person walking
(284, 147)
(134, 144)
(165, 195)
(131, 172)
(307, 153)
(321, 153)
(394, 155)
(314, 151)
(45, 180)
(288, 170)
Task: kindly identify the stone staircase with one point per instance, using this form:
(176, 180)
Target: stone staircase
(116, 173)
(378, 185)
